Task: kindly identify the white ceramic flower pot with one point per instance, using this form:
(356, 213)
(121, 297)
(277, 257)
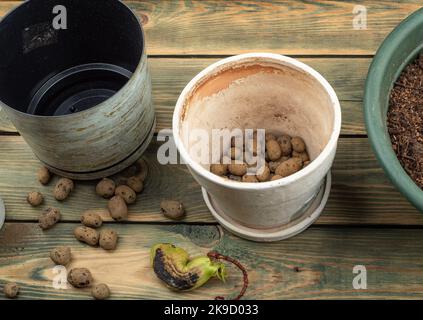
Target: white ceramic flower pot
(273, 92)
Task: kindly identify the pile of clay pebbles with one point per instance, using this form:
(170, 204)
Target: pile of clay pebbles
(284, 156)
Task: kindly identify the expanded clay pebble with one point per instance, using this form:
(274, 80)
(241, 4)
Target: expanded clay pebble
(303, 155)
(285, 144)
(49, 218)
(63, 189)
(61, 255)
(263, 174)
(80, 278)
(274, 164)
(172, 209)
(11, 290)
(238, 169)
(249, 178)
(91, 219)
(136, 184)
(43, 175)
(100, 291)
(283, 155)
(126, 193)
(117, 208)
(289, 167)
(108, 239)
(87, 235)
(35, 198)
(298, 144)
(219, 169)
(273, 149)
(106, 188)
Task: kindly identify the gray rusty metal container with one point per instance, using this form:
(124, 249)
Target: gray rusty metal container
(79, 96)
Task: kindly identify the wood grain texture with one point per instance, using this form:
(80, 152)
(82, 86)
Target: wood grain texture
(183, 37)
(361, 193)
(290, 27)
(170, 76)
(317, 264)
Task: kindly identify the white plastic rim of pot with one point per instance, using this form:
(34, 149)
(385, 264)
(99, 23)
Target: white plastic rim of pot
(270, 91)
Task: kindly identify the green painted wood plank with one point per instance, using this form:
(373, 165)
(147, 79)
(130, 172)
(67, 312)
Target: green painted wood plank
(361, 193)
(318, 264)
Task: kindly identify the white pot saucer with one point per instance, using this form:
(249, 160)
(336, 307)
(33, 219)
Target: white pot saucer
(275, 234)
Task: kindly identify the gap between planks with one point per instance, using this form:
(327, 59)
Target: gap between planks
(216, 224)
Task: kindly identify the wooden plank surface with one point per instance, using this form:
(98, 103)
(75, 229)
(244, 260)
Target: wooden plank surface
(290, 27)
(366, 221)
(361, 193)
(317, 264)
(170, 76)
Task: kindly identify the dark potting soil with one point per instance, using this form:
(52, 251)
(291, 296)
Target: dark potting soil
(405, 119)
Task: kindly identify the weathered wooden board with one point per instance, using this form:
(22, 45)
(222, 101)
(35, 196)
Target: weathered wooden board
(361, 194)
(317, 264)
(290, 27)
(347, 76)
(183, 37)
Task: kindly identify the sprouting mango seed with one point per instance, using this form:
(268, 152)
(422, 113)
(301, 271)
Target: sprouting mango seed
(173, 266)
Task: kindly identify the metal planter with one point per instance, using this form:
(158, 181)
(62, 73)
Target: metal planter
(80, 96)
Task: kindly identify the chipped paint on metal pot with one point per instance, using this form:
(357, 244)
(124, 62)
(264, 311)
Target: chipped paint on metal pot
(81, 98)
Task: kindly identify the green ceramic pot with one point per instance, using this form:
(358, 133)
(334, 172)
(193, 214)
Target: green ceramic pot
(400, 48)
